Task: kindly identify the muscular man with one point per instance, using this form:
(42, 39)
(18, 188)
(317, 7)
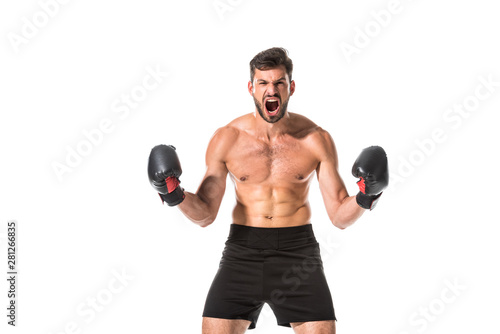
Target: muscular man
(271, 254)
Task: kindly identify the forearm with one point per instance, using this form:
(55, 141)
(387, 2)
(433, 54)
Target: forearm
(347, 213)
(196, 210)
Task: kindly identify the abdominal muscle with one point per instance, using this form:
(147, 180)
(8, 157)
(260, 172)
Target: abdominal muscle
(272, 206)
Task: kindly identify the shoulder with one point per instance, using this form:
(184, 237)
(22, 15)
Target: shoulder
(318, 140)
(221, 140)
(325, 146)
(309, 130)
(231, 131)
(304, 128)
(234, 129)
(322, 138)
(224, 138)
(301, 123)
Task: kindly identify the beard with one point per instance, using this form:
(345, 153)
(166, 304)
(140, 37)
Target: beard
(271, 119)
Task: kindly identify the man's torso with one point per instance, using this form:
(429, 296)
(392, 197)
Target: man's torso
(272, 175)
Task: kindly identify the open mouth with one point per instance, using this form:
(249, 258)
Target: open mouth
(272, 105)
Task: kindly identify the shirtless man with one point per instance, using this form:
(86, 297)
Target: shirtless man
(271, 255)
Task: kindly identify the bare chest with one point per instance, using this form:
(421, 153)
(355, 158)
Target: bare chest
(253, 161)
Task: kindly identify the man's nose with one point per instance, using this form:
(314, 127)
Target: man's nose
(272, 90)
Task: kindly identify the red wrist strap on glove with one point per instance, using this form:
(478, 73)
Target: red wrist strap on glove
(172, 183)
(361, 185)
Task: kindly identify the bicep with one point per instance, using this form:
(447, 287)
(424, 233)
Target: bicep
(213, 185)
(331, 184)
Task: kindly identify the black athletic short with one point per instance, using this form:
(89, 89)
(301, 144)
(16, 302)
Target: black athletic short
(278, 266)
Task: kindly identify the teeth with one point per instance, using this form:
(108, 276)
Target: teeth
(270, 100)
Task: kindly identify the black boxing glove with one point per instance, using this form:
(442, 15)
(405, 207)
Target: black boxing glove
(164, 169)
(372, 170)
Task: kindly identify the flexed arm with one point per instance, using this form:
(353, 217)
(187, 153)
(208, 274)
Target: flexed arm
(342, 209)
(200, 207)
(371, 167)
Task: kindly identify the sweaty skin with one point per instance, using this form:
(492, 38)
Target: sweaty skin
(271, 165)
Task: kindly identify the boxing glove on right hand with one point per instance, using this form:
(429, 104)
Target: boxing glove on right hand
(371, 168)
(164, 169)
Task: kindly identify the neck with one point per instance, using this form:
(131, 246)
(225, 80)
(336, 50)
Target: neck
(271, 130)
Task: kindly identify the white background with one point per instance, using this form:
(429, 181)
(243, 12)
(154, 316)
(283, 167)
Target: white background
(437, 223)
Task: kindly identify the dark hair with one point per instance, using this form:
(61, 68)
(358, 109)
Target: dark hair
(271, 58)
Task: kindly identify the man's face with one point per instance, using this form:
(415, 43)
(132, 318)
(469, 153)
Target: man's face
(271, 89)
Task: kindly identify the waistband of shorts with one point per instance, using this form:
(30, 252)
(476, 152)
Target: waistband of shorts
(271, 237)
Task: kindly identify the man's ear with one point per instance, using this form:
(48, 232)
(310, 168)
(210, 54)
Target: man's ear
(292, 87)
(250, 88)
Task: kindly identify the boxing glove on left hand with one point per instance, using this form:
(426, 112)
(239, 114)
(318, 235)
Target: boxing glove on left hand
(164, 169)
(371, 168)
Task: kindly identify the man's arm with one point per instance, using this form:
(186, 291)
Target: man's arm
(202, 207)
(342, 209)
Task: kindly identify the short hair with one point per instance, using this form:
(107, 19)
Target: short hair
(271, 58)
